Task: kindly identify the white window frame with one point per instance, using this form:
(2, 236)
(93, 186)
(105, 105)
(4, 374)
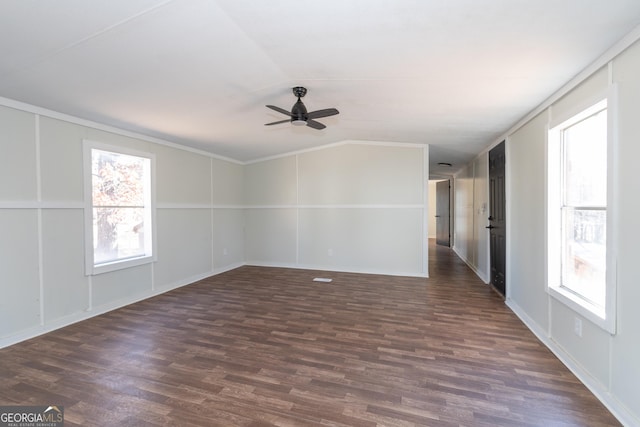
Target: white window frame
(604, 317)
(91, 268)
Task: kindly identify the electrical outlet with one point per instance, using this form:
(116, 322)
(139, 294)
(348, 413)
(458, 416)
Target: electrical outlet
(225, 251)
(330, 252)
(577, 326)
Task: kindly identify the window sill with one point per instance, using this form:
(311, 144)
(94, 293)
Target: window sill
(119, 265)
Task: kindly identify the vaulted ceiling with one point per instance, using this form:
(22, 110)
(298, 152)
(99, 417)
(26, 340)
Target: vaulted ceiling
(454, 74)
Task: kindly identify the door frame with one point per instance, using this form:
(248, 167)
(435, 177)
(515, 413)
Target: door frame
(449, 209)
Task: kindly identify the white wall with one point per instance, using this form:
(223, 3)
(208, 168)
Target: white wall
(625, 347)
(608, 364)
(526, 218)
(42, 282)
(480, 217)
(463, 202)
(470, 198)
(349, 207)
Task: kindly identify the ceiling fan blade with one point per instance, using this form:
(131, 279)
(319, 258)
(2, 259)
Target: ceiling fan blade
(277, 123)
(323, 113)
(315, 125)
(279, 110)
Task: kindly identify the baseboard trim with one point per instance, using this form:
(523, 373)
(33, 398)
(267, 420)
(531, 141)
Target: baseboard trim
(333, 269)
(473, 268)
(617, 408)
(62, 322)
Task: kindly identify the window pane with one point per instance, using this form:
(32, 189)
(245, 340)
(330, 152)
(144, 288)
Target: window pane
(118, 179)
(585, 157)
(118, 233)
(584, 253)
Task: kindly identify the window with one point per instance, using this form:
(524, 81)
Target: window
(578, 214)
(119, 214)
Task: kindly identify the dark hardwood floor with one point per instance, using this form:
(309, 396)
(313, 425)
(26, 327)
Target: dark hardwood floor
(268, 346)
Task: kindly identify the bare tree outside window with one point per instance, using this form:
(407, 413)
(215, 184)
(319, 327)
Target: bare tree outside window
(120, 200)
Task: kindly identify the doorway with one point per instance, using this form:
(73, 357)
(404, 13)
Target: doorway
(497, 218)
(443, 209)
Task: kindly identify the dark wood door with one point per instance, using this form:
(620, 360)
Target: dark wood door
(497, 222)
(443, 232)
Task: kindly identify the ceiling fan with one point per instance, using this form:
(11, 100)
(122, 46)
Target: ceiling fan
(299, 115)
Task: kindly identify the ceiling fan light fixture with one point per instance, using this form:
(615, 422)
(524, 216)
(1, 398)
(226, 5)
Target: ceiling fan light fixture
(299, 122)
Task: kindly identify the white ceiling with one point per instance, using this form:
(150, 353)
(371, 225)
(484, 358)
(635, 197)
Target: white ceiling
(455, 74)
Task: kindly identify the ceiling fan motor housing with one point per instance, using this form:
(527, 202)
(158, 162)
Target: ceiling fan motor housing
(298, 113)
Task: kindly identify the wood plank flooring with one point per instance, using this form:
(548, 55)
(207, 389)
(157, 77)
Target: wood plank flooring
(268, 346)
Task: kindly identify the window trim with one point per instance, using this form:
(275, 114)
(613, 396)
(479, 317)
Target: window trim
(90, 267)
(604, 317)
